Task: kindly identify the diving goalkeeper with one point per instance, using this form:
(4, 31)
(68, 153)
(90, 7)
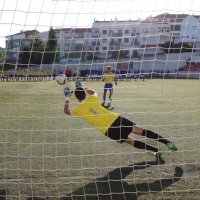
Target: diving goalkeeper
(111, 124)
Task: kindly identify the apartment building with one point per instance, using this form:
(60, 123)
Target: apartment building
(73, 40)
(69, 41)
(109, 36)
(145, 36)
(128, 36)
(106, 37)
(14, 42)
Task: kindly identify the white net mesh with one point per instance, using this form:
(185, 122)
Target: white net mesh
(153, 49)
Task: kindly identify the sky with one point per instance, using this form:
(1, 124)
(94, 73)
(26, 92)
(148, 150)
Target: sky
(17, 15)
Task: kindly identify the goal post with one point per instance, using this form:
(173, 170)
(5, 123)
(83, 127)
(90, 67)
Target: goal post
(152, 48)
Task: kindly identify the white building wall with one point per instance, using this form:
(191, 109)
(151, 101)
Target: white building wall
(147, 34)
(19, 36)
(154, 33)
(114, 33)
(190, 30)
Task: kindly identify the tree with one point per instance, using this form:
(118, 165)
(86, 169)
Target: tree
(2, 52)
(171, 47)
(51, 54)
(92, 55)
(37, 53)
(115, 54)
(24, 56)
(120, 54)
(135, 53)
(32, 54)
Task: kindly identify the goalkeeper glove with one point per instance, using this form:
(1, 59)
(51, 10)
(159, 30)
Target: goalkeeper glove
(67, 93)
(78, 83)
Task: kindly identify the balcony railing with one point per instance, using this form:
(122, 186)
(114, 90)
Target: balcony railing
(116, 35)
(115, 43)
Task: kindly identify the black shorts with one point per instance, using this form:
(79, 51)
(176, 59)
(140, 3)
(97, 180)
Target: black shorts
(120, 129)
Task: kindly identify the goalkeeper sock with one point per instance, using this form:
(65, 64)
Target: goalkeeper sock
(154, 136)
(142, 145)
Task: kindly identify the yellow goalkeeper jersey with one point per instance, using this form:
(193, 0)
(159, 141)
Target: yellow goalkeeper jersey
(93, 113)
(108, 78)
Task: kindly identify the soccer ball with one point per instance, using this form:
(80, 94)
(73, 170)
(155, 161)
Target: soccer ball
(61, 79)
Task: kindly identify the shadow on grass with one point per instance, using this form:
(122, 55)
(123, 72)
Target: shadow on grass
(114, 187)
(2, 195)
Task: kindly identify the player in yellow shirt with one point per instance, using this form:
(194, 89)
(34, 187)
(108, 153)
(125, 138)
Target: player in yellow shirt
(111, 124)
(108, 78)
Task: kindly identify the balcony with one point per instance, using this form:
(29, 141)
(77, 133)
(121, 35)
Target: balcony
(95, 35)
(78, 41)
(115, 43)
(116, 34)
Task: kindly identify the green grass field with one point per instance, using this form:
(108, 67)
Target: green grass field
(45, 154)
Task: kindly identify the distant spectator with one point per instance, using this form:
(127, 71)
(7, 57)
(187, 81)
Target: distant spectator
(142, 74)
(75, 72)
(68, 72)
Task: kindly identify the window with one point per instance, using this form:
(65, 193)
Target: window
(144, 39)
(120, 39)
(175, 27)
(126, 40)
(119, 31)
(104, 48)
(145, 30)
(151, 39)
(104, 40)
(164, 37)
(104, 31)
(126, 31)
(194, 27)
(152, 30)
(96, 30)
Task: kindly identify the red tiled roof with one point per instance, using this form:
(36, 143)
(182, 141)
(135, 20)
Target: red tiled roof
(168, 15)
(62, 29)
(27, 32)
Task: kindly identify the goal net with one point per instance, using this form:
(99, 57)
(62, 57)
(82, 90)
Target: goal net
(153, 50)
